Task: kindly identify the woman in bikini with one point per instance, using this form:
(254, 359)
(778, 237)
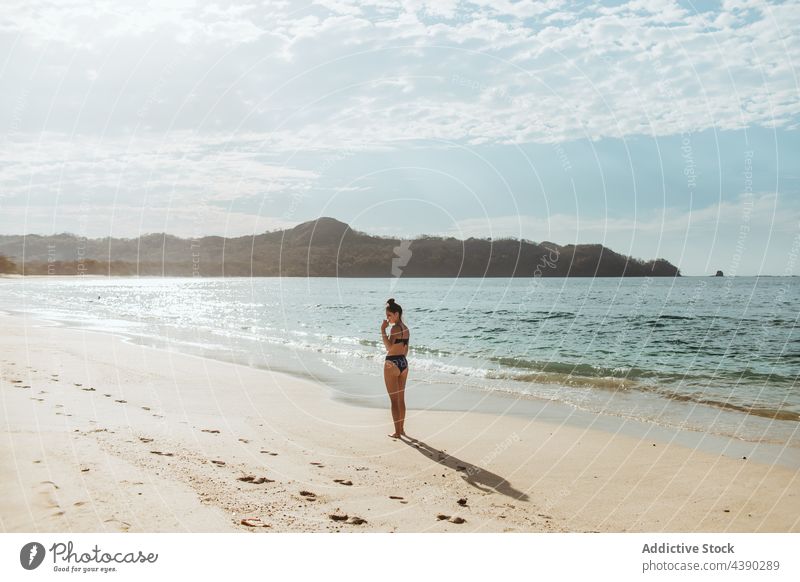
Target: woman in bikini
(395, 368)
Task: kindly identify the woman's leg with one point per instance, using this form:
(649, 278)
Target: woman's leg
(390, 377)
(401, 398)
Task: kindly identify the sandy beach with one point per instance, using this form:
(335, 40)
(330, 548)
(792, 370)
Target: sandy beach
(102, 435)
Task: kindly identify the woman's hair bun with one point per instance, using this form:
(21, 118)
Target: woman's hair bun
(394, 307)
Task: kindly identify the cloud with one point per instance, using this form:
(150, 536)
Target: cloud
(131, 220)
(642, 67)
(749, 235)
(225, 103)
(108, 171)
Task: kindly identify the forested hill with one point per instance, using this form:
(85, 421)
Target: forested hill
(324, 247)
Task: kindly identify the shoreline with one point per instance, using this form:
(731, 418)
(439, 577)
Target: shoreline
(100, 434)
(494, 403)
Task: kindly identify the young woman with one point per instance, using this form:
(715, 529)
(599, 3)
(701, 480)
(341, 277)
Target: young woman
(395, 368)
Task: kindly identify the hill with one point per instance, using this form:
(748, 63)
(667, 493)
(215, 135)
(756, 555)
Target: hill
(324, 247)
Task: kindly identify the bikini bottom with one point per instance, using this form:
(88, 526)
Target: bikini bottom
(399, 361)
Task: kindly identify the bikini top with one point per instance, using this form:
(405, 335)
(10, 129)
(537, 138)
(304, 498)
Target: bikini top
(403, 340)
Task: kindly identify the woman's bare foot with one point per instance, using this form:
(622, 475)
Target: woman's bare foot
(395, 436)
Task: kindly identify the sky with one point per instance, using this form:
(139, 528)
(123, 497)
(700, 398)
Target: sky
(660, 129)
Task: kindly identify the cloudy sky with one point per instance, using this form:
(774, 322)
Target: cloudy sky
(658, 128)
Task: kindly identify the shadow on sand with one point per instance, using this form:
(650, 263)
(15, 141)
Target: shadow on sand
(476, 476)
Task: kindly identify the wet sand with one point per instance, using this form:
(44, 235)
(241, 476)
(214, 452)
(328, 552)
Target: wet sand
(100, 434)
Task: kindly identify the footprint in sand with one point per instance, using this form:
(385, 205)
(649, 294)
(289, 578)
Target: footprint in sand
(218, 463)
(336, 517)
(462, 502)
(146, 440)
(317, 464)
(244, 441)
(107, 395)
(357, 520)
(146, 408)
(121, 401)
(254, 522)
(123, 525)
(395, 497)
(255, 480)
(270, 453)
(88, 389)
(163, 454)
(343, 482)
(309, 495)
(79, 503)
(76, 384)
(442, 516)
(212, 431)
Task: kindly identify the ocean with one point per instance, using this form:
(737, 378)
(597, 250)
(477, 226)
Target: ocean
(718, 356)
